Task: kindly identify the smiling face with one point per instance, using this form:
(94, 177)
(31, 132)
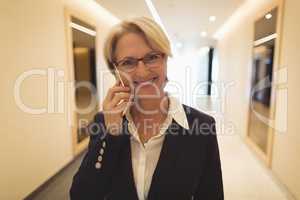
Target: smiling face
(146, 80)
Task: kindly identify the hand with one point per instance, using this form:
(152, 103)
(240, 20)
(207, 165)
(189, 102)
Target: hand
(116, 101)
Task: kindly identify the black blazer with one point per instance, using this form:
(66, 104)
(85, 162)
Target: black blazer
(188, 166)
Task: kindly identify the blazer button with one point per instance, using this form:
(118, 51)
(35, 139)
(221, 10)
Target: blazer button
(101, 151)
(103, 144)
(99, 158)
(98, 165)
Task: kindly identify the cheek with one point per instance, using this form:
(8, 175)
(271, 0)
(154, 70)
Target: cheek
(162, 75)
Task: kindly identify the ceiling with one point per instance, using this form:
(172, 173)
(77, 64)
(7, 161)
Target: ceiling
(183, 20)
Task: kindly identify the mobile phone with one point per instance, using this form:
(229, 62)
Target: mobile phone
(119, 76)
(123, 85)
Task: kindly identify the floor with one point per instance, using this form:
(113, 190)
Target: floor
(58, 189)
(245, 178)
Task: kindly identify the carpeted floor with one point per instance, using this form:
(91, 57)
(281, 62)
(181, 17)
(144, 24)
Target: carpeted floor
(58, 188)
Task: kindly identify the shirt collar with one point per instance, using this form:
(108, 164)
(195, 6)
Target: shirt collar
(177, 112)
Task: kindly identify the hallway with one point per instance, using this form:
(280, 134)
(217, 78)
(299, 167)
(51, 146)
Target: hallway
(238, 59)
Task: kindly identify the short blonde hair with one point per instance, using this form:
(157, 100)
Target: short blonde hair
(147, 28)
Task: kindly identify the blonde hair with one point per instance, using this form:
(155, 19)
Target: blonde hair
(147, 28)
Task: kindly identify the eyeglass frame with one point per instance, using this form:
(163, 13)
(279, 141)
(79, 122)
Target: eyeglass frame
(117, 63)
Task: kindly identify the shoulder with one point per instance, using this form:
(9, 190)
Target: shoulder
(97, 126)
(196, 116)
(200, 141)
(99, 117)
(97, 131)
(202, 126)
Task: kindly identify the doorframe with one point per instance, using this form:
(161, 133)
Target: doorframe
(267, 157)
(68, 14)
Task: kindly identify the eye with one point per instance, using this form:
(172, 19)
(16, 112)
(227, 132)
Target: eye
(153, 57)
(127, 62)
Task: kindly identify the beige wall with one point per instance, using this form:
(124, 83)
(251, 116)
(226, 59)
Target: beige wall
(235, 51)
(35, 147)
(286, 154)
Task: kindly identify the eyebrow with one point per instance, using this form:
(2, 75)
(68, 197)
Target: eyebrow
(130, 57)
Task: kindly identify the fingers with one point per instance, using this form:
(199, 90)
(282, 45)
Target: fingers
(122, 107)
(119, 97)
(118, 83)
(116, 89)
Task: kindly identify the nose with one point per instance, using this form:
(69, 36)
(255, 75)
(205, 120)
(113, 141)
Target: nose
(141, 68)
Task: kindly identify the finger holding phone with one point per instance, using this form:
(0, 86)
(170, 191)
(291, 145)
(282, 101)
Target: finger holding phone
(118, 99)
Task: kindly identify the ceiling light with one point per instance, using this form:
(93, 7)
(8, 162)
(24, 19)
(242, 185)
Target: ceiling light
(268, 16)
(155, 15)
(212, 18)
(203, 50)
(239, 16)
(83, 29)
(203, 34)
(179, 44)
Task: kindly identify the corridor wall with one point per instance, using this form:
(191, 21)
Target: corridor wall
(235, 60)
(35, 147)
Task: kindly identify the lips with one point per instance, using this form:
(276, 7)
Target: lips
(144, 82)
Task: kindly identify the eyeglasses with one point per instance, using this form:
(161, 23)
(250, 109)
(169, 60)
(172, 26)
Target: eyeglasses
(151, 60)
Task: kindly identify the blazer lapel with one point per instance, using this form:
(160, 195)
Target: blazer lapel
(130, 179)
(167, 159)
(125, 186)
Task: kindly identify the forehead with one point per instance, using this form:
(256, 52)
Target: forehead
(131, 45)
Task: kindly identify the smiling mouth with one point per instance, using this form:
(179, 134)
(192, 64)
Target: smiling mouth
(144, 82)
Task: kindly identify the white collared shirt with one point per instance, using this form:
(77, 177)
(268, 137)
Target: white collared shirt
(145, 156)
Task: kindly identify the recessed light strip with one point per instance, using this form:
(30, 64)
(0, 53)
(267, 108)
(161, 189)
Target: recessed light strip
(212, 18)
(246, 9)
(265, 39)
(156, 16)
(83, 29)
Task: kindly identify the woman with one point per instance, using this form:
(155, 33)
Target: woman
(145, 144)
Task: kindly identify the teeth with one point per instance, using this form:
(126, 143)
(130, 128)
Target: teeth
(149, 81)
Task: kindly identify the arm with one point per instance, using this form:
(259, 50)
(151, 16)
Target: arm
(210, 184)
(91, 182)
